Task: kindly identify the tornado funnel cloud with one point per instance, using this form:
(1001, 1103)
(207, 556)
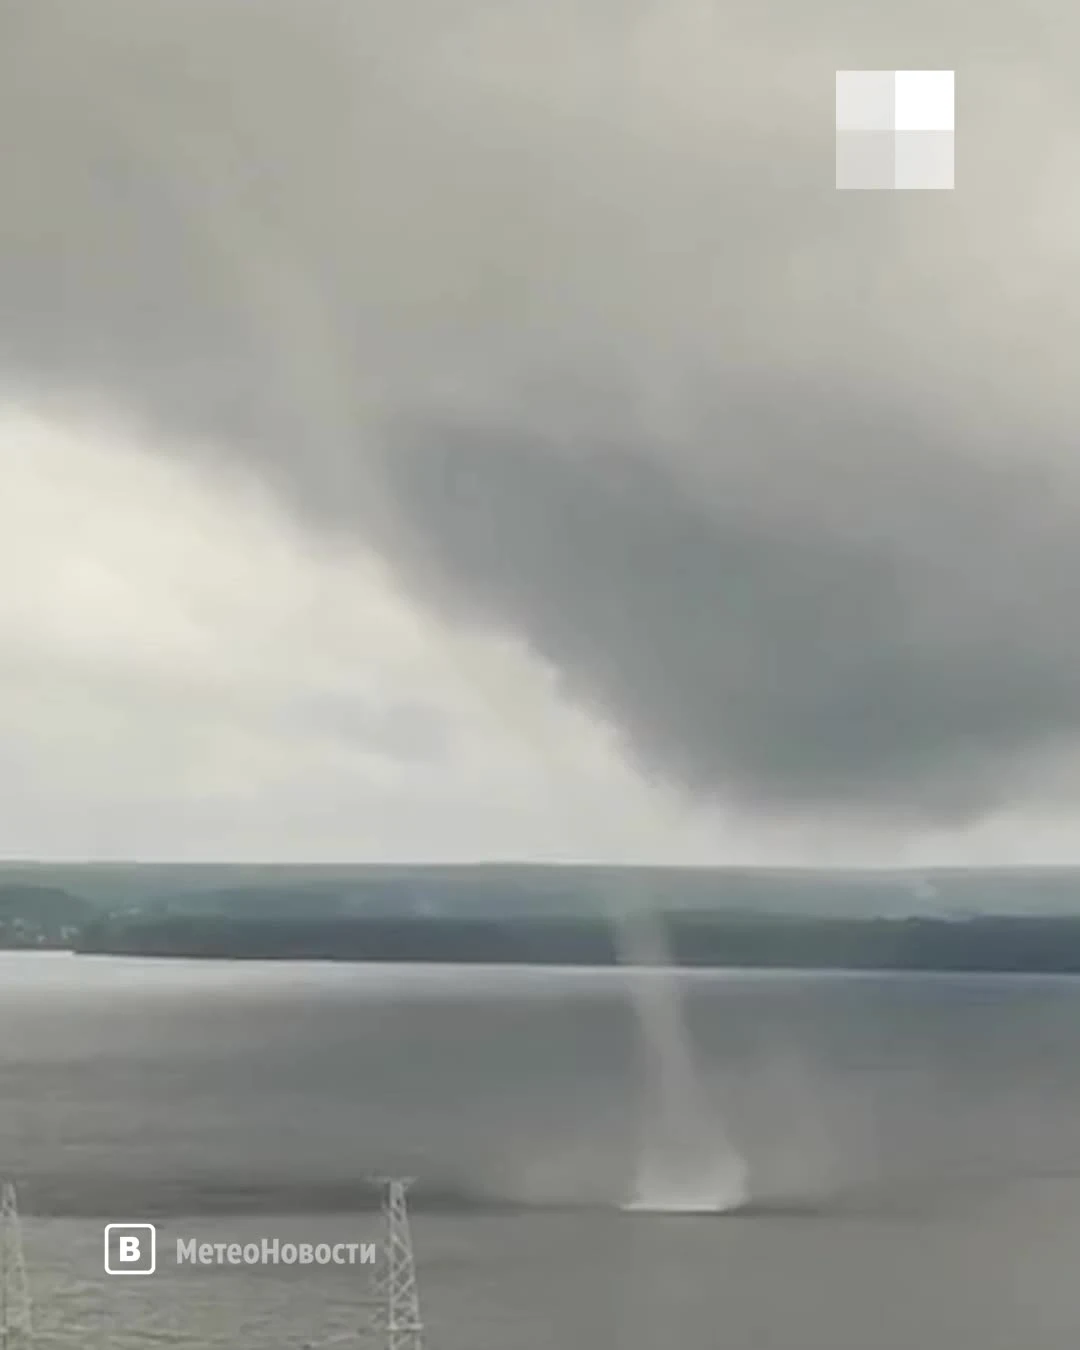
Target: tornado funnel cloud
(686, 1161)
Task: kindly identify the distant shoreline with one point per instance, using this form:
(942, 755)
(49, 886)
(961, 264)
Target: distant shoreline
(1018, 945)
(1017, 920)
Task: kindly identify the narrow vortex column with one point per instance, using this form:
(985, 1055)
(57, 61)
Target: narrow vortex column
(16, 1330)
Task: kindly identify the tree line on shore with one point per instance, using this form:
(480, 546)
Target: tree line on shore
(1049, 944)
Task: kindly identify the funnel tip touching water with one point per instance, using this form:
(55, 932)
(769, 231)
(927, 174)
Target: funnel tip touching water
(717, 1190)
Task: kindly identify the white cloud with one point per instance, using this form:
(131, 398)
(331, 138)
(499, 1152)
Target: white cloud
(184, 673)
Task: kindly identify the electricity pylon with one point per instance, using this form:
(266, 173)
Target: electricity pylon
(396, 1298)
(393, 1300)
(16, 1332)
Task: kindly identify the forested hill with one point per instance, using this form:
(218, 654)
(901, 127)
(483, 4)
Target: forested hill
(40, 916)
(498, 890)
(1046, 945)
(958, 919)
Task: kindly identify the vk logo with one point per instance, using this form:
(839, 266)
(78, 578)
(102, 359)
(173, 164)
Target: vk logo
(130, 1248)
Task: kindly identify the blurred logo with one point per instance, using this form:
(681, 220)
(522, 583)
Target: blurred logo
(895, 129)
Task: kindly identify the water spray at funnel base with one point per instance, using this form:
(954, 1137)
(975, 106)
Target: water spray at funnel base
(687, 1163)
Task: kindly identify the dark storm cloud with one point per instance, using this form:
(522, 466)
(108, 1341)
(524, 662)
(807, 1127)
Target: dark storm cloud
(844, 636)
(561, 311)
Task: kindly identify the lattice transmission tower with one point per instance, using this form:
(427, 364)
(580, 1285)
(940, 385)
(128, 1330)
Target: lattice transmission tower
(16, 1331)
(393, 1299)
(396, 1296)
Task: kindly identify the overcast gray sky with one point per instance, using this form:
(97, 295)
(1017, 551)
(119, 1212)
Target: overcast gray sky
(448, 428)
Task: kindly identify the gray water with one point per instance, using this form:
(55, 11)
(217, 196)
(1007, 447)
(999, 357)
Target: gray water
(912, 1145)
